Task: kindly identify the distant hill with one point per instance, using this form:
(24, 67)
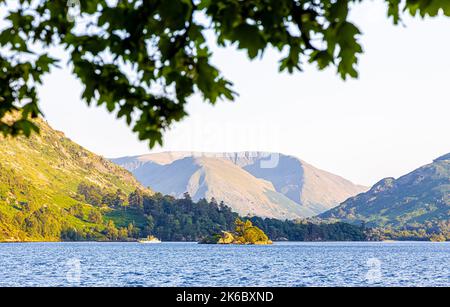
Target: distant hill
(40, 179)
(418, 198)
(245, 181)
(52, 189)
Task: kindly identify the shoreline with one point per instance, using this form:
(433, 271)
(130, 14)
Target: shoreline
(275, 242)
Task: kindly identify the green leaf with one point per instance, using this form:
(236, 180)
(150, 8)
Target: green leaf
(249, 37)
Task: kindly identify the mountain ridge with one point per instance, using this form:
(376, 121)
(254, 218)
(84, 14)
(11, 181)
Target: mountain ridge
(283, 185)
(418, 197)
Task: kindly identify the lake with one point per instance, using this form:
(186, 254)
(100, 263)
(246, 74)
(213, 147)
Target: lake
(189, 264)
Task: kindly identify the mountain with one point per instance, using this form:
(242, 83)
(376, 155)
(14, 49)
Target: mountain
(52, 189)
(251, 183)
(420, 197)
(48, 184)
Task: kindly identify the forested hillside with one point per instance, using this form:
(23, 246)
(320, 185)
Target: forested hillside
(415, 206)
(42, 187)
(52, 189)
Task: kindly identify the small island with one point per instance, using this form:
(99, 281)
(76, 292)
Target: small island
(244, 233)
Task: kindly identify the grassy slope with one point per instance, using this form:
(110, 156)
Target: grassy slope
(44, 171)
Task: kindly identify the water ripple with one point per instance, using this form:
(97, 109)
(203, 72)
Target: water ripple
(189, 264)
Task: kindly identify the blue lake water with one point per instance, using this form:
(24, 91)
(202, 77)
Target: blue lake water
(190, 264)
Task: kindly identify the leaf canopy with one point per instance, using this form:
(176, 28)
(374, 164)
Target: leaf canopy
(143, 59)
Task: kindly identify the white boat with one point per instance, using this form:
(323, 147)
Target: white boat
(149, 240)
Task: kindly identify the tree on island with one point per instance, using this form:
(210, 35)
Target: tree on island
(144, 59)
(244, 233)
(247, 233)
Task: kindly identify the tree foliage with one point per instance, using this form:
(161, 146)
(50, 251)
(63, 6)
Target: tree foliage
(90, 193)
(142, 59)
(172, 219)
(437, 230)
(302, 230)
(95, 216)
(136, 199)
(165, 217)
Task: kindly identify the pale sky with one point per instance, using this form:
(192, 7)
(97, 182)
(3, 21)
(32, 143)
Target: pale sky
(394, 118)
